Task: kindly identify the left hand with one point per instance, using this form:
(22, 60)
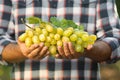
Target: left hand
(68, 52)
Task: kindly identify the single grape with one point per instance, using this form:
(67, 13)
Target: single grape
(53, 50)
(78, 48)
(35, 39)
(70, 28)
(85, 37)
(79, 41)
(57, 37)
(85, 44)
(54, 30)
(78, 33)
(90, 41)
(37, 30)
(47, 44)
(51, 35)
(49, 28)
(45, 32)
(48, 39)
(42, 37)
(53, 42)
(59, 43)
(93, 37)
(30, 33)
(65, 39)
(22, 37)
(60, 31)
(28, 41)
(67, 33)
(42, 25)
(73, 37)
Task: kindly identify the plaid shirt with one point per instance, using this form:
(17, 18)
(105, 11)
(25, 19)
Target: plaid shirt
(97, 16)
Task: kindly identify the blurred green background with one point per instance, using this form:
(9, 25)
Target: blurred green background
(108, 71)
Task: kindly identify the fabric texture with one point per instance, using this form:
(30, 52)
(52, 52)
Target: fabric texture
(97, 16)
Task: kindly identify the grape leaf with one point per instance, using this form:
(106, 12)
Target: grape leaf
(64, 23)
(34, 20)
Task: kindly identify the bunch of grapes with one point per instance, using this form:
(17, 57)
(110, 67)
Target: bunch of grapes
(53, 36)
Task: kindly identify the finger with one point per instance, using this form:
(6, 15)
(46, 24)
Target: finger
(71, 48)
(89, 47)
(43, 52)
(33, 47)
(58, 56)
(34, 53)
(41, 57)
(66, 50)
(72, 51)
(37, 46)
(47, 54)
(61, 52)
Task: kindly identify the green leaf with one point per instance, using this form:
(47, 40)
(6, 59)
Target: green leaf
(64, 23)
(55, 21)
(81, 27)
(34, 20)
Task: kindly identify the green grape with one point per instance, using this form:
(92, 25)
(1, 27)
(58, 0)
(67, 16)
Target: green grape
(78, 33)
(53, 50)
(65, 39)
(51, 35)
(57, 37)
(78, 48)
(60, 31)
(45, 32)
(85, 44)
(35, 39)
(42, 25)
(59, 43)
(93, 37)
(38, 30)
(28, 41)
(27, 30)
(73, 37)
(49, 28)
(47, 44)
(70, 28)
(48, 39)
(79, 41)
(82, 49)
(90, 41)
(85, 37)
(22, 37)
(54, 30)
(30, 33)
(67, 32)
(53, 42)
(42, 37)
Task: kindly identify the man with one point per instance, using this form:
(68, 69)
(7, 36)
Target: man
(34, 63)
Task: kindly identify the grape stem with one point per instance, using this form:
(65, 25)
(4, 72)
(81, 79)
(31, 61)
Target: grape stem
(26, 24)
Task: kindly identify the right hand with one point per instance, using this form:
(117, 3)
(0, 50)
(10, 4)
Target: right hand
(35, 52)
(68, 52)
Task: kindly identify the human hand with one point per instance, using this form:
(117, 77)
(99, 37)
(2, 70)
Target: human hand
(35, 52)
(68, 51)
